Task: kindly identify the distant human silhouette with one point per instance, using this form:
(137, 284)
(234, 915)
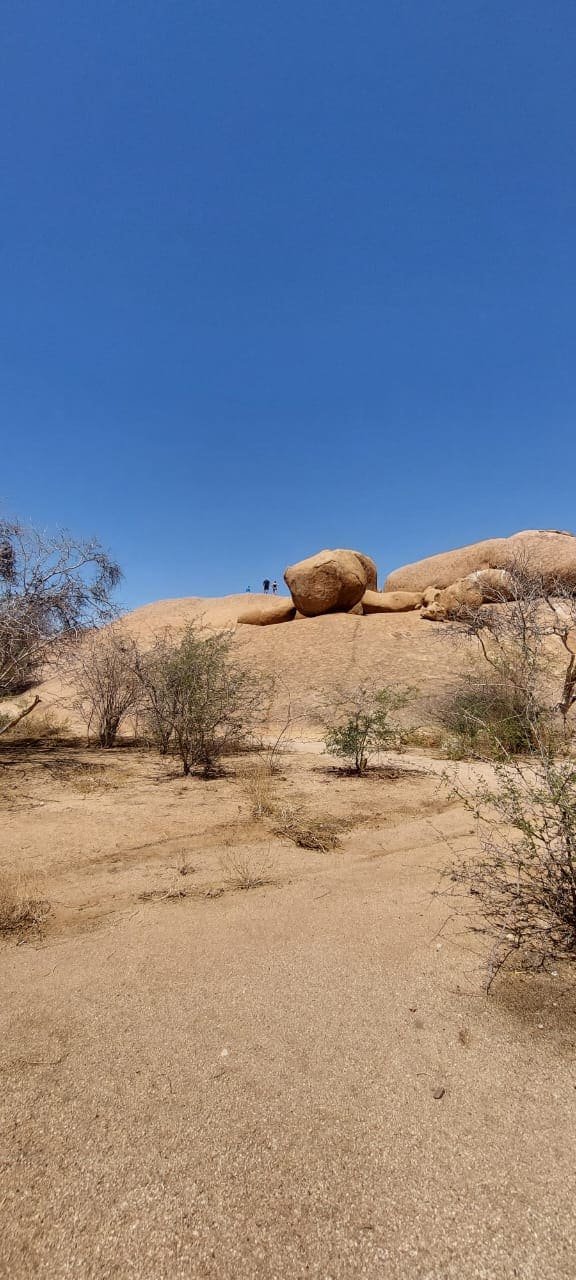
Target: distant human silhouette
(266, 585)
(274, 587)
(248, 588)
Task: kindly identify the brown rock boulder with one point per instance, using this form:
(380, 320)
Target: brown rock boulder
(547, 553)
(391, 601)
(331, 581)
(488, 586)
(262, 613)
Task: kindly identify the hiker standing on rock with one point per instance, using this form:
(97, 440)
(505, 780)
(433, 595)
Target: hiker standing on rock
(274, 587)
(266, 585)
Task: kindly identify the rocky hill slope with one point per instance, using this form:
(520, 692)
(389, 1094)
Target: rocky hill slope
(314, 656)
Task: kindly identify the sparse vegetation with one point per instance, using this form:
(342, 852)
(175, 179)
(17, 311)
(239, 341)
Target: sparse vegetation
(487, 717)
(242, 870)
(524, 884)
(429, 737)
(308, 832)
(528, 642)
(362, 724)
(173, 893)
(22, 906)
(85, 776)
(35, 727)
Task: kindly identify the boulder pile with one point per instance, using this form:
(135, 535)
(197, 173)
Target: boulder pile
(487, 586)
(346, 581)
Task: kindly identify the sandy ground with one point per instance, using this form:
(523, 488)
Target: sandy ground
(241, 1083)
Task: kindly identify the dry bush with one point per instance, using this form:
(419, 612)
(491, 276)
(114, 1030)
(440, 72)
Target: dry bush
(22, 906)
(184, 867)
(527, 638)
(524, 882)
(51, 586)
(103, 669)
(257, 780)
(242, 870)
(239, 870)
(306, 831)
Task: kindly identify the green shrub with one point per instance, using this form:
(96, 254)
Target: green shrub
(364, 725)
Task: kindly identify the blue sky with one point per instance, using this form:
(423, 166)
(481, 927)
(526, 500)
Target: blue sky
(285, 275)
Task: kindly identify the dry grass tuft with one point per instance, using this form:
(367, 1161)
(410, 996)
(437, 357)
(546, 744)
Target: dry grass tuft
(84, 776)
(427, 737)
(185, 868)
(258, 784)
(243, 871)
(308, 832)
(21, 905)
(239, 871)
(166, 895)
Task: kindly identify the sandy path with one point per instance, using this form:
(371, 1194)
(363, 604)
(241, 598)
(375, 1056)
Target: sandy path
(244, 1087)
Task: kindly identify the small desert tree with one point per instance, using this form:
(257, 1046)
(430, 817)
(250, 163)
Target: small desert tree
(362, 723)
(51, 586)
(201, 703)
(102, 666)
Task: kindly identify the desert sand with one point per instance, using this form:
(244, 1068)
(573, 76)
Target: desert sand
(300, 1078)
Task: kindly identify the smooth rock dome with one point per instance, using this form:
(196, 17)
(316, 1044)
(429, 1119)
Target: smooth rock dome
(547, 553)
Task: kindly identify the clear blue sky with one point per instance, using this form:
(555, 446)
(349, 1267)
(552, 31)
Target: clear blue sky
(285, 274)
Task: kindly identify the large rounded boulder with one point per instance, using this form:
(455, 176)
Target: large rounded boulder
(548, 554)
(330, 581)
